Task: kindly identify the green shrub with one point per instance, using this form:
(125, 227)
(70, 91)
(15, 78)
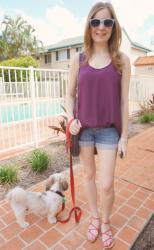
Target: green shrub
(39, 160)
(8, 173)
(24, 62)
(146, 118)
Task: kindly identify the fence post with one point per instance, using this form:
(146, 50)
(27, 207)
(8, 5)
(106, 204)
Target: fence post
(1, 86)
(33, 99)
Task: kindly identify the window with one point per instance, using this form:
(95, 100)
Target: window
(57, 58)
(62, 55)
(78, 49)
(68, 53)
(47, 58)
(149, 68)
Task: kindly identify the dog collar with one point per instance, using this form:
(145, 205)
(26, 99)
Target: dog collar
(59, 193)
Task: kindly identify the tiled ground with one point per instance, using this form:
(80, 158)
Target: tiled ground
(134, 204)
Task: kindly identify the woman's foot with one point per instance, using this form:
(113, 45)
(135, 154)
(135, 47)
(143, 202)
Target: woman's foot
(107, 236)
(93, 229)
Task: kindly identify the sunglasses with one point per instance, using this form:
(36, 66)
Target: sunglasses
(108, 23)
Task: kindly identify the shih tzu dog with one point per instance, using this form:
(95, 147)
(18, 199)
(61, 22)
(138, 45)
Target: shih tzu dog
(44, 203)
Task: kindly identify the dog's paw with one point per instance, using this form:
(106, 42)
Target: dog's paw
(24, 225)
(52, 220)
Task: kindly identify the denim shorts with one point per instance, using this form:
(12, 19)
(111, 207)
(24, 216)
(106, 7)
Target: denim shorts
(102, 138)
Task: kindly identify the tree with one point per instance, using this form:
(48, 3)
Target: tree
(3, 48)
(19, 37)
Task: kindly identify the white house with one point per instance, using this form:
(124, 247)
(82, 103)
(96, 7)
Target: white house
(57, 56)
(144, 65)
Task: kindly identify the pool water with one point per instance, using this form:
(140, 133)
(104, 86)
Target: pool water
(19, 112)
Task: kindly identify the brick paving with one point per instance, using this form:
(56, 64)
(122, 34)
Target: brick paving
(134, 204)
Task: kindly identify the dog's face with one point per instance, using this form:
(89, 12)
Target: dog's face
(63, 184)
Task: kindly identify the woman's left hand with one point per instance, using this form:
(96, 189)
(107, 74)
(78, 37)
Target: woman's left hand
(122, 147)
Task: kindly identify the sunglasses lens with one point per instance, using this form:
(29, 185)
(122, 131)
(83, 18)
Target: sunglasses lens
(108, 22)
(95, 22)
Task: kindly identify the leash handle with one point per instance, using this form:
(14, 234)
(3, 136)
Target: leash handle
(68, 134)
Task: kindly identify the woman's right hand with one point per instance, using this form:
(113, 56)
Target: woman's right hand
(75, 127)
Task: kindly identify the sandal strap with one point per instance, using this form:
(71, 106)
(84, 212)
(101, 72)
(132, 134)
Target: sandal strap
(108, 222)
(106, 232)
(91, 232)
(110, 238)
(94, 227)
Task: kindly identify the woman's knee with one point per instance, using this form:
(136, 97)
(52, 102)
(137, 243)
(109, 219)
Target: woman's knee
(89, 174)
(107, 187)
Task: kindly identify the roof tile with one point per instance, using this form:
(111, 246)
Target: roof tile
(145, 60)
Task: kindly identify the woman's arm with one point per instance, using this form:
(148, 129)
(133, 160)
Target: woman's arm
(126, 72)
(71, 88)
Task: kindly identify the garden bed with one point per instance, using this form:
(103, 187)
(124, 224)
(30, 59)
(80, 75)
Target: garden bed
(145, 240)
(27, 177)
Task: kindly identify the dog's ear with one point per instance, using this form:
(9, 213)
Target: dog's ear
(49, 182)
(63, 185)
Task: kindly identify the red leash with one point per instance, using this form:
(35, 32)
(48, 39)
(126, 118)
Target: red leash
(77, 210)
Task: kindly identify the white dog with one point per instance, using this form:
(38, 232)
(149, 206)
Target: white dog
(47, 202)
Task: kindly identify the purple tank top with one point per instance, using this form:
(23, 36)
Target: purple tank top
(99, 96)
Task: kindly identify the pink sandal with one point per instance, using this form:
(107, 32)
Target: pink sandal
(108, 241)
(93, 231)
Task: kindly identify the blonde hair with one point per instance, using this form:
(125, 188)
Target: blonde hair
(114, 41)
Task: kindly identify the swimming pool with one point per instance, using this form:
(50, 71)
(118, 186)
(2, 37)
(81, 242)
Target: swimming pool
(19, 112)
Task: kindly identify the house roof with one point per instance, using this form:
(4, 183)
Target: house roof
(66, 43)
(135, 44)
(78, 40)
(144, 60)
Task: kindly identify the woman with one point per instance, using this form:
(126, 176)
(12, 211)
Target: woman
(101, 74)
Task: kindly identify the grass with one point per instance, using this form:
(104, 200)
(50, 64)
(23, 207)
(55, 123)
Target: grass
(147, 117)
(8, 174)
(39, 160)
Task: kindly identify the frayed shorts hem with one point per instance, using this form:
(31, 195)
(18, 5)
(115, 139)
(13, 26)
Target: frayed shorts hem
(98, 145)
(106, 146)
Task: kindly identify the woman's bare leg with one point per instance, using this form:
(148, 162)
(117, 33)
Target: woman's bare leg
(107, 161)
(89, 172)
